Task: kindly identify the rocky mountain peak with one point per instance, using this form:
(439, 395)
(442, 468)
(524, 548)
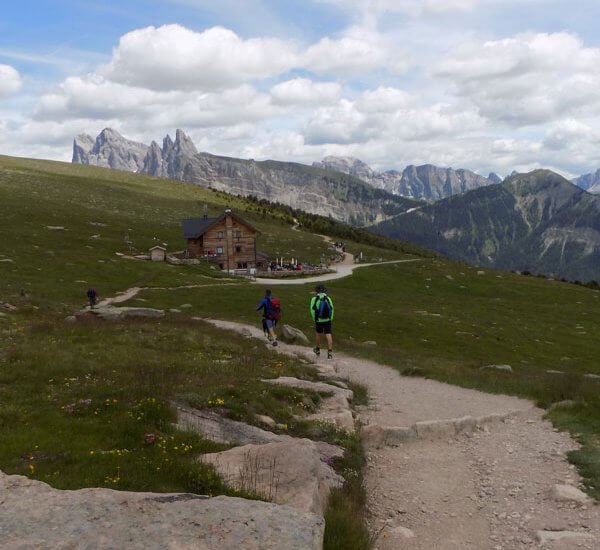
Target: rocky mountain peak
(427, 181)
(109, 150)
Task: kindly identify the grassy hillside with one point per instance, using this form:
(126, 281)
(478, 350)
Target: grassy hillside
(429, 317)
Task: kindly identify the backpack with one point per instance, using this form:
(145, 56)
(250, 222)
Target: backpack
(274, 310)
(323, 308)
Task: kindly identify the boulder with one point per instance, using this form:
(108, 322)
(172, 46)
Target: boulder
(34, 515)
(568, 493)
(292, 335)
(291, 473)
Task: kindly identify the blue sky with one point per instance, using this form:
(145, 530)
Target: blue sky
(480, 84)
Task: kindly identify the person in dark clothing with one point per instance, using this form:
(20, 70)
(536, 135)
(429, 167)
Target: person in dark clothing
(269, 317)
(91, 296)
(321, 311)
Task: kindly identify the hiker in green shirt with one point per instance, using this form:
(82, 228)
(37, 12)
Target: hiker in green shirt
(321, 311)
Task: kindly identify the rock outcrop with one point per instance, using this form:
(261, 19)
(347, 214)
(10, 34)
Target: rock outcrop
(34, 515)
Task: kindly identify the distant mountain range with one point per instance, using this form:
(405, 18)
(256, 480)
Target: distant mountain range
(589, 182)
(315, 190)
(426, 182)
(538, 222)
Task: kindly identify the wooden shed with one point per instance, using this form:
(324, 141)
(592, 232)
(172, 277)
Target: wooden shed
(158, 253)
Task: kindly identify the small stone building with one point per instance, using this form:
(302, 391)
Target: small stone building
(228, 241)
(158, 253)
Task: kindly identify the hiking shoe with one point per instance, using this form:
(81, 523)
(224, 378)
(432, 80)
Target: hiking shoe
(275, 343)
(329, 354)
(317, 351)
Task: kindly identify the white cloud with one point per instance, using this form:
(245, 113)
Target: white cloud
(302, 91)
(173, 57)
(10, 80)
(357, 51)
(527, 79)
(95, 98)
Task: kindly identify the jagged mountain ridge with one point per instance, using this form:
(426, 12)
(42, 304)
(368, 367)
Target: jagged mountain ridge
(313, 190)
(538, 222)
(426, 182)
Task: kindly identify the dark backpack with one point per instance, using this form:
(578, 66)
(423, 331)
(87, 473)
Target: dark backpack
(323, 308)
(273, 309)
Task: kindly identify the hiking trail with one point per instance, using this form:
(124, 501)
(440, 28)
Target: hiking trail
(492, 485)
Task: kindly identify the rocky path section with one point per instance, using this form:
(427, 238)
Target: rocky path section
(496, 483)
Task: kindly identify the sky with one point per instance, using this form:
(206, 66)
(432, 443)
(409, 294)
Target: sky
(488, 85)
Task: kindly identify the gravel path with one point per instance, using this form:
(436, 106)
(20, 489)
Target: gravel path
(486, 488)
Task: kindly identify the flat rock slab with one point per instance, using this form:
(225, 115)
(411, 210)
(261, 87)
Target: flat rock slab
(576, 538)
(111, 313)
(291, 473)
(222, 430)
(34, 515)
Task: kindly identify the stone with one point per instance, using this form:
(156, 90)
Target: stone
(505, 368)
(186, 306)
(55, 228)
(372, 436)
(465, 424)
(292, 335)
(70, 319)
(568, 493)
(174, 310)
(402, 532)
(592, 376)
(370, 343)
(395, 436)
(34, 515)
(575, 537)
(435, 429)
(554, 372)
(266, 420)
(290, 473)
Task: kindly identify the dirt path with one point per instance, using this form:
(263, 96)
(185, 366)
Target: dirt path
(486, 488)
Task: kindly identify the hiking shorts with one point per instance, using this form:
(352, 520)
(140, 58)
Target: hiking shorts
(269, 323)
(323, 328)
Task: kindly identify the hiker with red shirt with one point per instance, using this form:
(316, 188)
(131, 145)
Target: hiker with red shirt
(271, 312)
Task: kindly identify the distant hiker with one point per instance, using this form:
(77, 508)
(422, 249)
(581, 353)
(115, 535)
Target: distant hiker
(271, 307)
(321, 311)
(91, 296)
